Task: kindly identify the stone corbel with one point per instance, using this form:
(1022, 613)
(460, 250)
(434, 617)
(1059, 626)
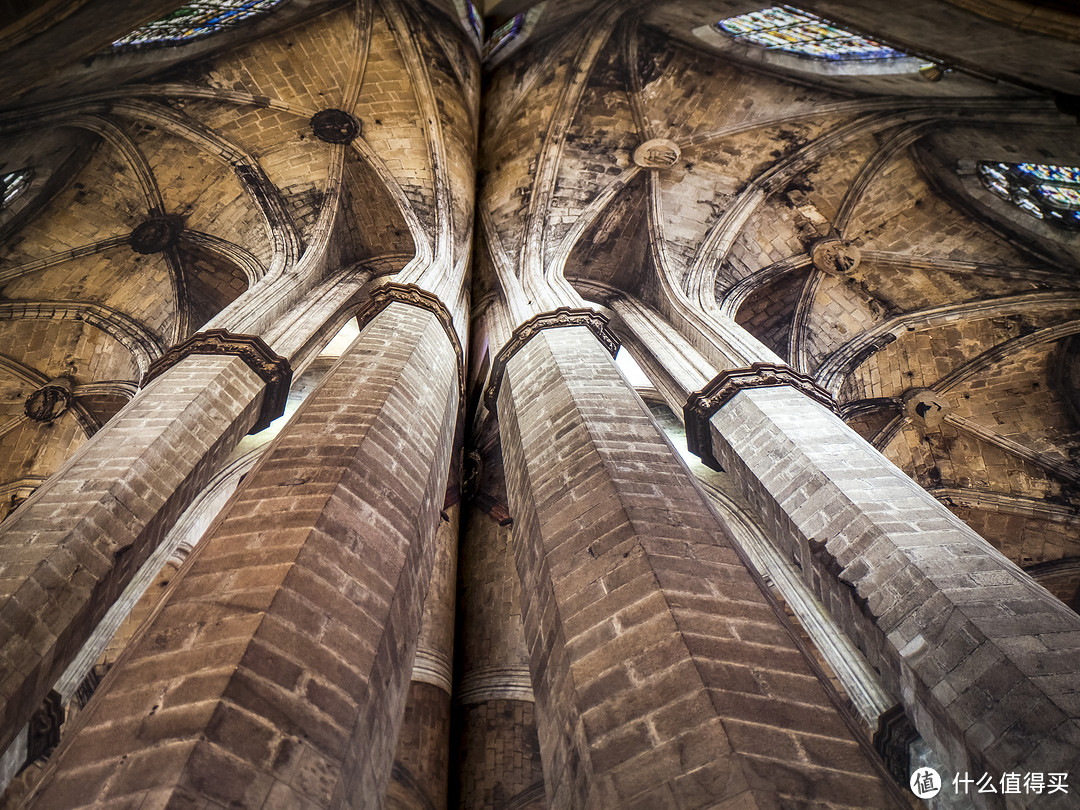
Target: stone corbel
(414, 296)
(561, 317)
(275, 371)
(702, 405)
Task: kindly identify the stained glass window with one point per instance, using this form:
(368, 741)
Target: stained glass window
(13, 184)
(474, 20)
(1055, 174)
(790, 29)
(194, 20)
(1047, 192)
(502, 35)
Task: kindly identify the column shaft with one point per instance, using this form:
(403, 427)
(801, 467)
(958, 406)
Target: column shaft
(982, 657)
(986, 660)
(664, 676)
(422, 762)
(68, 552)
(499, 750)
(275, 673)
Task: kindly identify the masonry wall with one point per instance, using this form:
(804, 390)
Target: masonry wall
(605, 641)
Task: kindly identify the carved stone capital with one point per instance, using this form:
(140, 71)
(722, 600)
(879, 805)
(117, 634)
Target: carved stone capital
(414, 296)
(495, 683)
(561, 317)
(275, 371)
(702, 405)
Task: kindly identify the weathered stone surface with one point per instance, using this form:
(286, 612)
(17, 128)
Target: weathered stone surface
(664, 677)
(119, 495)
(421, 774)
(985, 659)
(498, 748)
(547, 179)
(277, 670)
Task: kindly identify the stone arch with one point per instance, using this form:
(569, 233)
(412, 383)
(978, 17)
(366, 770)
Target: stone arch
(143, 345)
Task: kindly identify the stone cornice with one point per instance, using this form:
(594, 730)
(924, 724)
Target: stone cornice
(414, 296)
(561, 317)
(275, 371)
(702, 405)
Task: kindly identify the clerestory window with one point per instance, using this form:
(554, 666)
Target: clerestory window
(13, 184)
(790, 29)
(502, 36)
(194, 20)
(1047, 192)
(474, 20)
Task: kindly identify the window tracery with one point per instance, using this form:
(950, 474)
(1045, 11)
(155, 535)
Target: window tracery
(1042, 190)
(194, 20)
(796, 31)
(13, 184)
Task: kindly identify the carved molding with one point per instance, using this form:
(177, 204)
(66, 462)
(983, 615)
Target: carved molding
(275, 371)
(495, 683)
(494, 507)
(433, 667)
(414, 296)
(702, 405)
(90, 683)
(561, 317)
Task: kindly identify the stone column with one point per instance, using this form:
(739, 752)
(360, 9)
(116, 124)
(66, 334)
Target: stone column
(275, 672)
(421, 772)
(664, 674)
(69, 551)
(984, 660)
(987, 662)
(671, 363)
(498, 745)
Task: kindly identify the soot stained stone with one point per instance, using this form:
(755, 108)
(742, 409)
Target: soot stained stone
(156, 234)
(335, 126)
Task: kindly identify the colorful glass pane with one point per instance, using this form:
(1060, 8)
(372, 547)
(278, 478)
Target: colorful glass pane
(474, 19)
(13, 184)
(795, 31)
(502, 35)
(1030, 206)
(1061, 196)
(1055, 200)
(1056, 174)
(194, 20)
